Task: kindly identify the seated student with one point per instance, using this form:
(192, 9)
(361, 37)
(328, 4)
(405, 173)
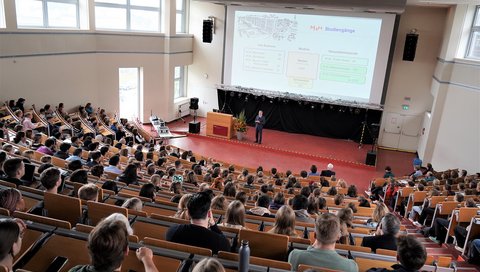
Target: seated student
(202, 230)
(79, 176)
(249, 182)
(388, 172)
(50, 179)
(76, 156)
(322, 253)
(113, 165)
(386, 234)
(182, 212)
(48, 148)
(345, 216)
(12, 200)
(209, 265)
(88, 192)
(133, 203)
(97, 171)
(261, 207)
(148, 190)
(14, 170)
(278, 201)
(411, 255)
(62, 153)
(284, 222)
(300, 205)
(129, 175)
(108, 245)
(313, 171)
(219, 203)
(95, 157)
(328, 172)
(235, 216)
(11, 231)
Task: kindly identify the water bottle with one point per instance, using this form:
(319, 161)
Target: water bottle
(244, 257)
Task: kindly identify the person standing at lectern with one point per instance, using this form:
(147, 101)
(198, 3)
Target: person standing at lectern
(259, 123)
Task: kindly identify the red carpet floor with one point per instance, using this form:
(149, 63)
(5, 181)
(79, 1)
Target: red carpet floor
(296, 152)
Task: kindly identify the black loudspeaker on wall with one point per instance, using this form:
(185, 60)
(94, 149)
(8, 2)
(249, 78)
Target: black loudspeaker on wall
(194, 103)
(207, 31)
(371, 158)
(410, 47)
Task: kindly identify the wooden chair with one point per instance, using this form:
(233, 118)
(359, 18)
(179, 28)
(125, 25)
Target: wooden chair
(146, 229)
(87, 229)
(58, 162)
(266, 245)
(401, 195)
(365, 264)
(386, 252)
(42, 219)
(415, 199)
(444, 209)
(75, 250)
(97, 211)
(29, 238)
(256, 260)
(442, 261)
(63, 208)
(7, 184)
(462, 217)
(131, 263)
(304, 267)
(4, 212)
(353, 248)
(176, 246)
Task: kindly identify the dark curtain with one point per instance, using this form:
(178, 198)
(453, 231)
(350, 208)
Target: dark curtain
(317, 119)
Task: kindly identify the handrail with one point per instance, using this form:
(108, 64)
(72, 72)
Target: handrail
(85, 125)
(62, 120)
(107, 128)
(37, 116)
(10, 111)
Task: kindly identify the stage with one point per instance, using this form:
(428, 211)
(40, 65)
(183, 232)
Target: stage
(295, 152)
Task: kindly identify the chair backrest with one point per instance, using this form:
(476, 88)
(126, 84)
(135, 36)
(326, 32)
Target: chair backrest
(381, 251)
(466, 214)
(131, 263)
(58, 162)
(43, 220)
(97, 211)
(256, 260)
(304, 267)
(447, 207)
(176, 246)
(364, 264)
(4, 212)
(419, 196)
(145, 229)
(87, 229)
(63, 207)
(353, 248)
(266, 245)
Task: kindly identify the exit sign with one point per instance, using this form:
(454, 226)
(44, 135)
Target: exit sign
(405, 107)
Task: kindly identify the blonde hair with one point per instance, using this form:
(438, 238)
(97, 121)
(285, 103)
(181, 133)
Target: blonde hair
(155, 179)
(133, 203)
(182, 211)
(209, 265)
(284, 222)
(28, 154)
(380, 211)
(88, 192)
(235, 214)
(342, 183)
(219, 203)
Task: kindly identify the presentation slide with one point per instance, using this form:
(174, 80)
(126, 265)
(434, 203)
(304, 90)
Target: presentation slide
(329, 56)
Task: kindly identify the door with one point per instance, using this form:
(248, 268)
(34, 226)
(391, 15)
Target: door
(401, 131)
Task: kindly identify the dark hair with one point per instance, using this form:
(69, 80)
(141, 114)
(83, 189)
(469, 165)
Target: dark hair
(242, 197)
(229, 189)
(49, 178)
(139, 156)
(363, 202)
(110, 185)
(104, 150)
(299, 202)
(75, 165)
(79, 176)
(49, 142)
(263, 201)
(9, 231)
(11, 166)
(95, 155)
(43, 167)
(199, 205)
(97, 170)
(148, 191)
(352, 191)
(250, 179)
(279, 198)
(332, 191)
(77, 152)
(306, 191)
(114, 160)
(107, 244)
(411, 253)
(313, 169)
(338, 199)
(388, 168)
(303, 174)
(65, 147)
(129, 175)
(322, 203)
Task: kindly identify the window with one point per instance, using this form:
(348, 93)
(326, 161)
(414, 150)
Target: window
(48, 13)
(136, 15)
(473, 50)
(2, 15)
(180, 16)
(179, 82)
(130, 92)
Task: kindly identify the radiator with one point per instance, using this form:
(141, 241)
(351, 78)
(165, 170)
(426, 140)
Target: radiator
(183, 109)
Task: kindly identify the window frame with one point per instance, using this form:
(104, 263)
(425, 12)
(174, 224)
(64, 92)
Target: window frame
(183, 12)
(474, 29)
(181, 82)
(128, 8)
(45, 24)
(3, 23)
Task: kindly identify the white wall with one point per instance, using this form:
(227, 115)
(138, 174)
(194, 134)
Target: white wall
(206, 70)
(413, 79)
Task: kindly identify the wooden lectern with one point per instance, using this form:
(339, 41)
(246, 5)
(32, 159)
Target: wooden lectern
(219, 125)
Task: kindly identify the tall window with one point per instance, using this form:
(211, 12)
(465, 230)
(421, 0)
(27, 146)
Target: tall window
(47, 13)
(179, 82)
(130, 15)
(181, 16)
(2, 15)
(130, 92)
(473, 50)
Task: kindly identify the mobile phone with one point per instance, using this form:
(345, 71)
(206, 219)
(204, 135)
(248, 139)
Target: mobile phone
(57, 264)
